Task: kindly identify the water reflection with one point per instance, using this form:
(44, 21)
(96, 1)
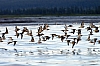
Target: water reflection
(53, 52)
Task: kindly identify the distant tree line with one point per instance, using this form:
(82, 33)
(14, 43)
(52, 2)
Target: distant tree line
(52, 11)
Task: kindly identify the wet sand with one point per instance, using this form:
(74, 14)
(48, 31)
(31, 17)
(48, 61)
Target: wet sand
(48, 19)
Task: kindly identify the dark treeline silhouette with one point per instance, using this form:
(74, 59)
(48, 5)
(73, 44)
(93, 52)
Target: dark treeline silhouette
(52, 11)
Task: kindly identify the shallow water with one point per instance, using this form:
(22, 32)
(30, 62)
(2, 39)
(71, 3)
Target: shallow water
(51, 52)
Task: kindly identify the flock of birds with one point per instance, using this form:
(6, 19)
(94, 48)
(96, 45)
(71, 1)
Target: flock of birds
(63, 37)
(40, 36)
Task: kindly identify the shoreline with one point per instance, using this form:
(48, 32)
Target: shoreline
(49, 20)
(8, 16)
